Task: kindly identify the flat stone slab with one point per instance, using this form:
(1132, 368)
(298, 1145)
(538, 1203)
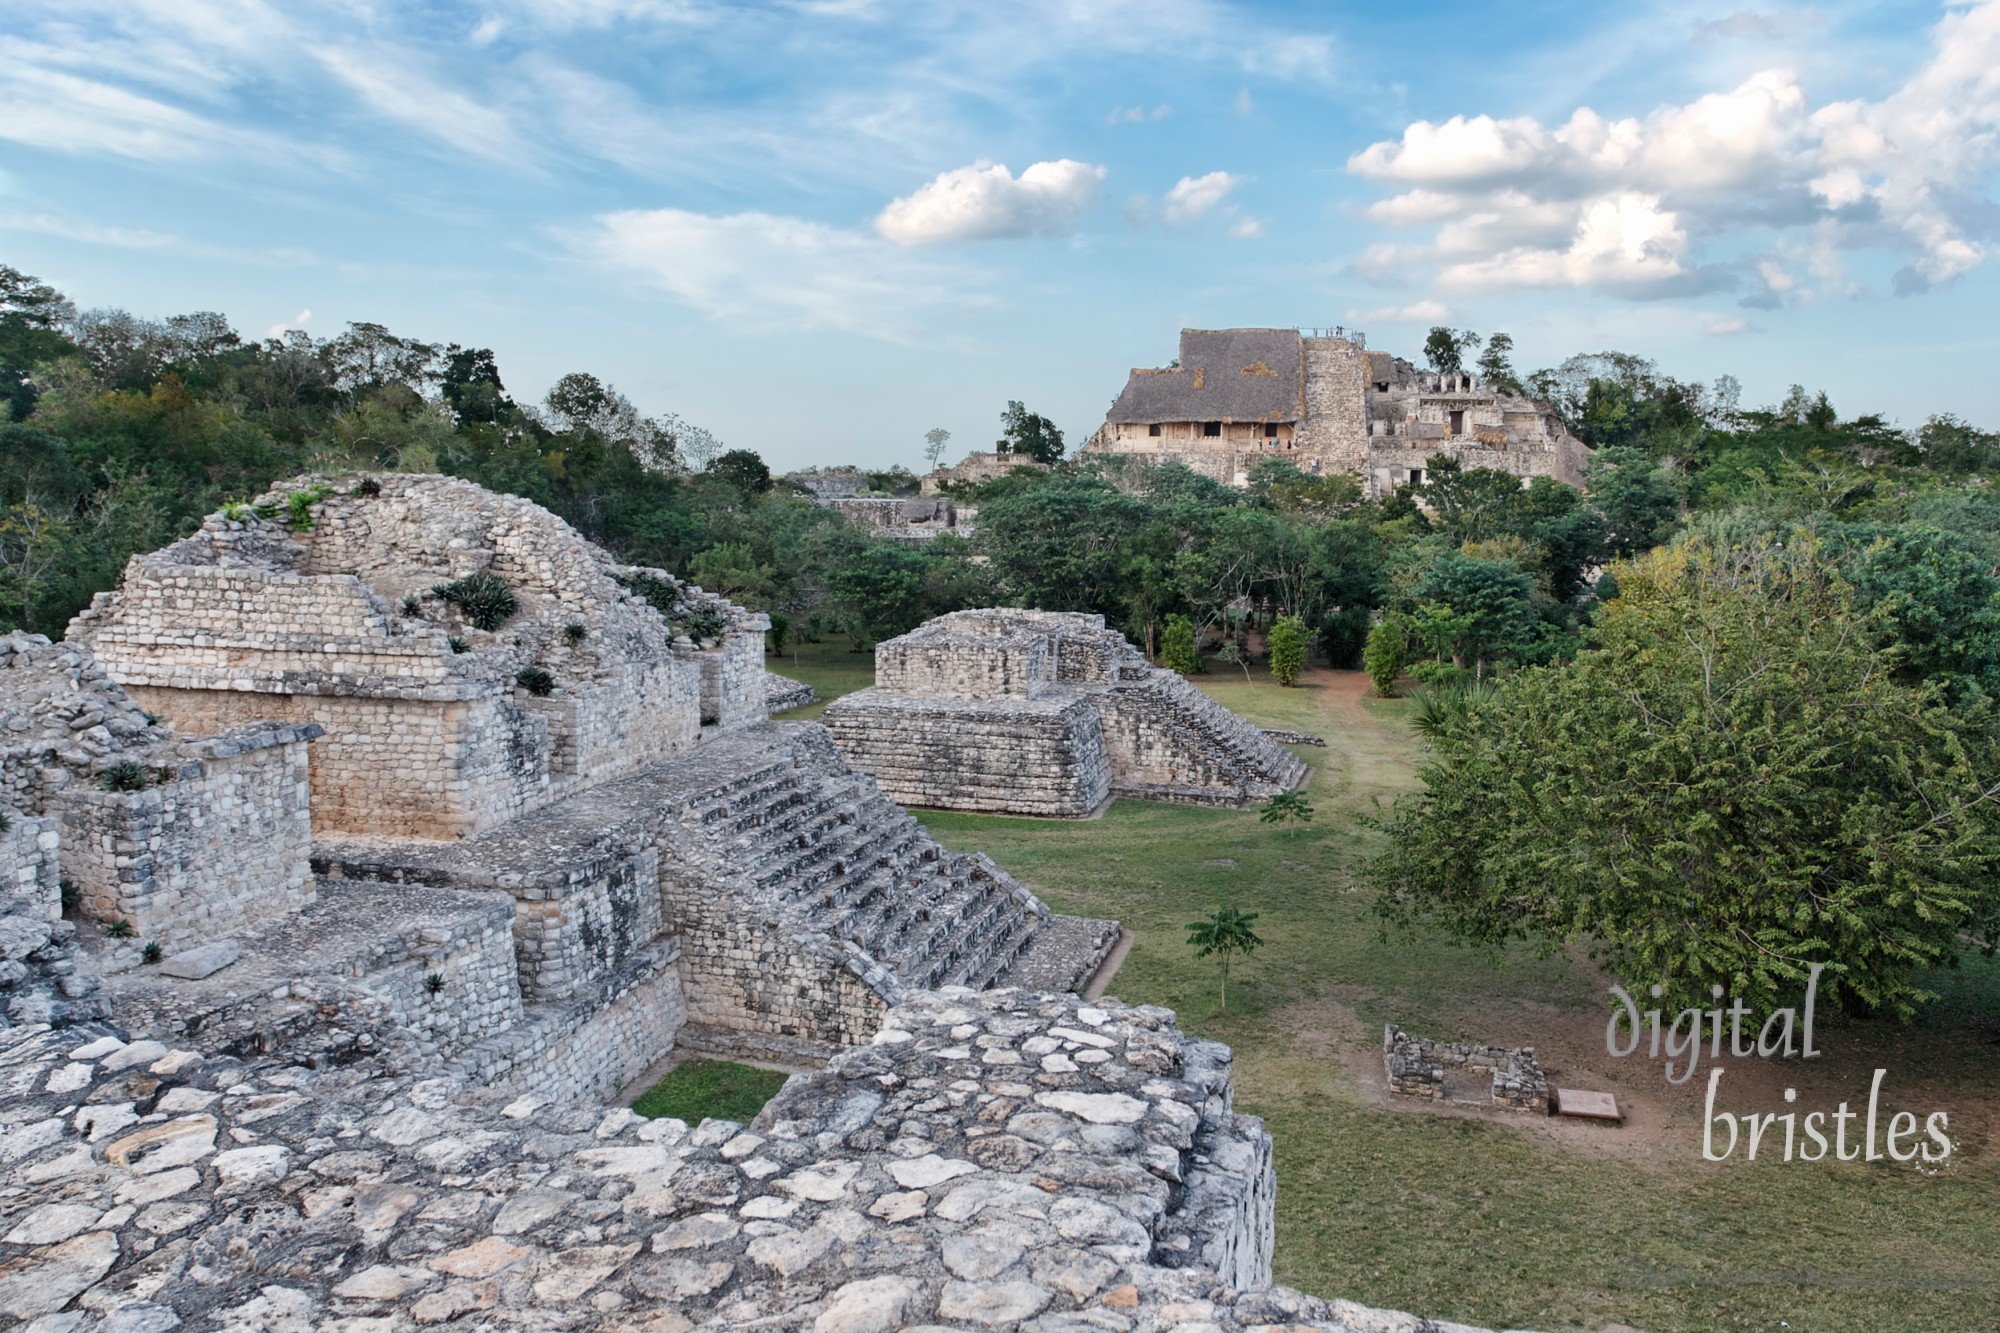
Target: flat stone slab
(202, 961)
(1587, 1105)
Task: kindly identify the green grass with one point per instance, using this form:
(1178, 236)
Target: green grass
(1478, 1221)
(830, 667)
(697, 1090)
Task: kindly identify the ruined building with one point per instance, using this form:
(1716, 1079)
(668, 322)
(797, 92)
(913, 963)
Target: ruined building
(1045, 713)
(405, 828)
(1323, 401)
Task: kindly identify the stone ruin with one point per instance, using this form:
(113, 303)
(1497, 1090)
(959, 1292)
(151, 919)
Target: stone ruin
(373, 1096)
(1464, 1073)
(912, 519)
(1045, 713)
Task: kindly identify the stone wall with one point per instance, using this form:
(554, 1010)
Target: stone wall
(39, 981)
(991, 1160)
(1043, 713)
(218, 847)
(732, 681)
(1335, 428)
(1027, 757)
(973, 469)
(1451, 1071)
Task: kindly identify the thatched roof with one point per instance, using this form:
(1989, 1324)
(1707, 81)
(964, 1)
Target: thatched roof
(1224, 375)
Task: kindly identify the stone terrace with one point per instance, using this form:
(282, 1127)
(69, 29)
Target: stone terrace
(1045, 713)
(997, 1159)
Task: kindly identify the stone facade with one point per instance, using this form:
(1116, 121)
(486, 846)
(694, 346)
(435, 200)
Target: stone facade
(1321, 400)
(916, 520)
(1045, 713)
(973, 469)
(431, 731)
(999, 1159)
(1473, 1075)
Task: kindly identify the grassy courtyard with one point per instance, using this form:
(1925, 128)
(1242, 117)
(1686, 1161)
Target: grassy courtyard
(1479, 1216)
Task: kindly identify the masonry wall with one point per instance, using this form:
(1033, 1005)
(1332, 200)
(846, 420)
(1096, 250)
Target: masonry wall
(599, 1045)
(646, 712)
(732, 681)
(1335, 428)
(218, 849)
(400, 768)
(476, 993)
(965, 665)
(1024, 757)
(570, 935)
(30, 883)
(1169, 741)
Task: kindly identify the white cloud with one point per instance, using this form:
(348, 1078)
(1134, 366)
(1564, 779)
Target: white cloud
(985, 201)
(760, 271)
(1726, 326)
(1193, 196)
(1138, 115)
(1243, 105)
(1666, 203)
(1247, 229)
(400, 91)
(1293, 56)
(1417, 312)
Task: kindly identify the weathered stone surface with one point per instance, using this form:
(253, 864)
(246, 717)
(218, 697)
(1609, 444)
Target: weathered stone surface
(206, 960)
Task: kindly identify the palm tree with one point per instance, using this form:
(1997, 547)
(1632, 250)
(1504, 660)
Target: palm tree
(1223, 932)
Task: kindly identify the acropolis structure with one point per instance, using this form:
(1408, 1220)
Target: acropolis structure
(1322, 401)
(363, 852)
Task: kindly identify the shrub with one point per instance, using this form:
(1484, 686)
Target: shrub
(71, 895)
(151, 953)
(238, 512)
(125, 775)
(1288, 649)
(535, 681)
(1177, 646)
(368, 489)
(458, 645)
(299, 507)
(1438, 675)
(575, 633)
(413, 606)
(119, 929)
(484, 599)
(1383, 658)
(433, 983)
(781, 632)
(703, 621)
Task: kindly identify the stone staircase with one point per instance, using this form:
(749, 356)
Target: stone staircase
(824, 841)
(1232, 747)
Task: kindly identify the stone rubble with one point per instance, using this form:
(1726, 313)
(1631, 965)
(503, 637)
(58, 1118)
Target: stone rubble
(953, 1173)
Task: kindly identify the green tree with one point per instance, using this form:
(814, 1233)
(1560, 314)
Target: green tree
(742, 469)
(1496, 364)
(1224, 932)
(1446, 348)
(1177, 647)
(1287, 807)
(1729, 786)
(1475, 611)
(1287, 641)
(935, 440)
(1385, 655)
(1231, 654)
(1025, 434)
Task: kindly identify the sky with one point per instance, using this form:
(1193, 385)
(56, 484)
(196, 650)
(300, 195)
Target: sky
(821, 227)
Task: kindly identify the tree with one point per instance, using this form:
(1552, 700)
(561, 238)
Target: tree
(1223, 932)
(1177, 647)
(935, 440)
(1728, 787)
(1496, 365)
(1385, 655)
(742, 469)
(1027, 435)
(1446, 348)
(1287, 807)
(1232, 654)
(1287, 641)
(1477, 610)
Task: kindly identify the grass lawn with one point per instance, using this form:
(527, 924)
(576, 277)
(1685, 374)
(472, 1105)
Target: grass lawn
(697, 1090)
(1515, 1221)
(829, 667)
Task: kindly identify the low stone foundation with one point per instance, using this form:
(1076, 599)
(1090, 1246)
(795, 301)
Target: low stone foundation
(1452, 1071)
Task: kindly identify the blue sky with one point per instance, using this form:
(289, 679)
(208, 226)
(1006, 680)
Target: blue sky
(820, 228)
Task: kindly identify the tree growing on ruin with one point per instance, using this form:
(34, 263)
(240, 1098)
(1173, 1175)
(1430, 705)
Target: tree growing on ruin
(1287, 643)
(1496, 364)
(1731, 785)
(1026, 434)
(1220, 934)
(935, 440)
(1446, 348)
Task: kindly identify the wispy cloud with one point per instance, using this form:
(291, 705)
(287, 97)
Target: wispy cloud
(395, 87)
(760, 271)
(1193, 196)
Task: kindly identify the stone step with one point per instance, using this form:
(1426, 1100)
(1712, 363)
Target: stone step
(858, 846)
